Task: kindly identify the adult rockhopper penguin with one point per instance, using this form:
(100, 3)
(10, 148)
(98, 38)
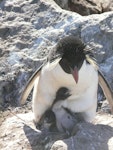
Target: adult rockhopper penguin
(67, 81)
(74, 73)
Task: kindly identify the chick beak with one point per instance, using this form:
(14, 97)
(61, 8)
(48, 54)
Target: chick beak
(74, 72)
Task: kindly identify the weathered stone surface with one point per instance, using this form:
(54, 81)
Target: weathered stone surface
(86, 7)
(18, 132)
(30, 29)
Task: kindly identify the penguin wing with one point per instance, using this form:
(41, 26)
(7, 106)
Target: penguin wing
(106, 89)
(30, 85)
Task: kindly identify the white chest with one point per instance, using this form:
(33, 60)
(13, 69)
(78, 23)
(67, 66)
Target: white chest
(83, 94)
(53, 78)
(87, 76)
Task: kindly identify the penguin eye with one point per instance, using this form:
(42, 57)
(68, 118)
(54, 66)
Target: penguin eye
(80, 64)
(65, 65)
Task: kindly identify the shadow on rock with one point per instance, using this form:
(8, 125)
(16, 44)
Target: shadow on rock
(88, 137)
(40, 140)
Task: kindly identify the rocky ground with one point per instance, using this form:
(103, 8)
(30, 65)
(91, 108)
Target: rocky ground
(28, 30)
(19, 132)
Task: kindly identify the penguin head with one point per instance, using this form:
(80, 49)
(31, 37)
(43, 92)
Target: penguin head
(71, 50)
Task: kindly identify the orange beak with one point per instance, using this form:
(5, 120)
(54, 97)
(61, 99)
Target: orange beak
(75, 74)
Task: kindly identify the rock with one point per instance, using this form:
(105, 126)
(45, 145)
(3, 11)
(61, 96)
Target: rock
(86, 7)
(30, 29)
(59, 145)
(18, 132)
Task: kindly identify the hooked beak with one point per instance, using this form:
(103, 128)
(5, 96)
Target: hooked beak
(74, 72)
